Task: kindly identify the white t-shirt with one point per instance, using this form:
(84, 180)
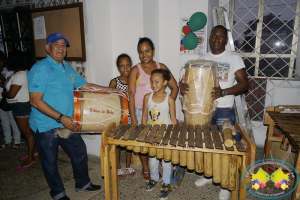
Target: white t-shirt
(6, 73)
(19, 78)
(228, 63)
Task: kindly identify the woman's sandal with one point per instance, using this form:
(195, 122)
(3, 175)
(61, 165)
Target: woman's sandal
(131, 172)
(22, 168)
(15, 147)
(21, 158)
(120, 174)
(146, 175)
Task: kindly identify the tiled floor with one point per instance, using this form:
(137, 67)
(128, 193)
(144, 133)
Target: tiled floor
(30, 184)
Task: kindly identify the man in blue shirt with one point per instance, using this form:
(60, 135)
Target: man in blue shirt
(51, 82)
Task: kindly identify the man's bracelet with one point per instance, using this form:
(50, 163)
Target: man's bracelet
(58, 120)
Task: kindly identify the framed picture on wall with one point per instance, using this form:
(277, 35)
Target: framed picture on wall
(67, 20)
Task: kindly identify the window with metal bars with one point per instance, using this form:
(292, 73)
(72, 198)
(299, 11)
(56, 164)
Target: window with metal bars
(265, 34)
(16, 30)
(22, 36)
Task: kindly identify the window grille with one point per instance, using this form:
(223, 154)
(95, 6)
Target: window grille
(265, 34)
(17, 32)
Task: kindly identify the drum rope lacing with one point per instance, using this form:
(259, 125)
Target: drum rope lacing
(111, 93)
(123, 94)
(199, 99)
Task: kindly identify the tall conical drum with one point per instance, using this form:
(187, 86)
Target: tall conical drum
(198, 105)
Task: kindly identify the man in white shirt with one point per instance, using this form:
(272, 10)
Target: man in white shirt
(230, 68)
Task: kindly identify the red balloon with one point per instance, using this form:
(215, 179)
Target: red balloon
(186, 30)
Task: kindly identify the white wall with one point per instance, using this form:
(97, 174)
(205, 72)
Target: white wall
(169, 25)
(151, 19)
(98, 38)
(127, 27)
(114, 27)
(111, 28)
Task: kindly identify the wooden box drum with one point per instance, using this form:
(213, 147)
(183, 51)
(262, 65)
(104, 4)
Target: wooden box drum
(198, 104)
(94, 111)
(278, 153)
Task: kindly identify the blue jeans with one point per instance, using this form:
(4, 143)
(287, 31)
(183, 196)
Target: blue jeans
(74, 146)
(154, 173)
(222, 114)
(7, 120)
(138, 114)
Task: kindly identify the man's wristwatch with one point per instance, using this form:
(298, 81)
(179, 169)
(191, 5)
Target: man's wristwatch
(224, 93)
(58, 120)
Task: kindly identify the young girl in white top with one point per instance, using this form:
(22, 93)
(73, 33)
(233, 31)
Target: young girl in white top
(159, 108)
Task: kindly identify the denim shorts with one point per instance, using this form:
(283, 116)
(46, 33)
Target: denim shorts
(21, 109)
(222, 114)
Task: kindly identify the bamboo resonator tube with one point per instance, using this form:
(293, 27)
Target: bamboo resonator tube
(227, 134)
(167, 155)
(217, 164)
(199, 162)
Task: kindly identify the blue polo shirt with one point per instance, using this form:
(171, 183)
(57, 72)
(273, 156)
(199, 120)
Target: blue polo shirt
(57, 84)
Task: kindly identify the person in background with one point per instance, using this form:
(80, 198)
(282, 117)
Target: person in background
(226, 88)
(121, 82)
(139, 85)
(159, 108)
(51, 82)
(7, 120)
(18, 99)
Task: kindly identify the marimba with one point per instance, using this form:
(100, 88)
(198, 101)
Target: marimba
(289, 123)
(200, 148)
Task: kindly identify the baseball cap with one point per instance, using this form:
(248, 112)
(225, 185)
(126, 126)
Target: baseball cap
(54, 37)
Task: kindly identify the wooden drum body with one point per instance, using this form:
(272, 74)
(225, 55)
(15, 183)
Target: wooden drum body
(198, 104)
(94, 111)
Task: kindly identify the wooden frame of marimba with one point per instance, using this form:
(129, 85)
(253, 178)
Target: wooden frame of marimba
(291, 135)
(238, 160)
